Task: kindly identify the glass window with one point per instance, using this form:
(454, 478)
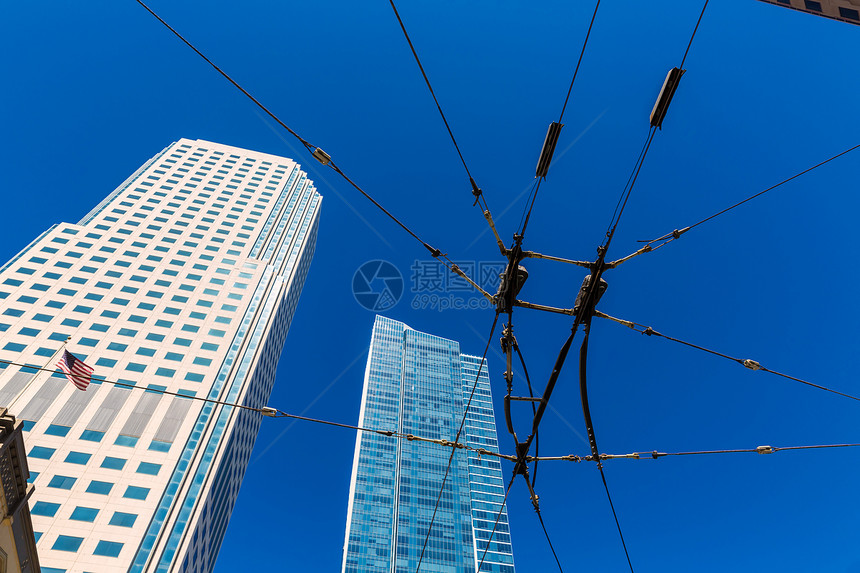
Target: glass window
(117, 346)
(159, 446)
(77, 458)
(135, 492)
(100, 487)
(41, 452)
(45, 508)
(127, 441)
(67, 543)
(62, 482)
(87, 514)
(121, 519)
(175, 356)
(112, 463)
(135, 367)
(92, 436)
(148, 468)
(166, 372)
(55, 430)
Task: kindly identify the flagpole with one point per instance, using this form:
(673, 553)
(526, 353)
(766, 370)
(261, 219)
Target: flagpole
(38, 373)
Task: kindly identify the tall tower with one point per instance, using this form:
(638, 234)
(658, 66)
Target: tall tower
(417, 383)
(184, 279)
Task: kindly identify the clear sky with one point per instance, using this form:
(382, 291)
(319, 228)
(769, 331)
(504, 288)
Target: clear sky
(93, 89)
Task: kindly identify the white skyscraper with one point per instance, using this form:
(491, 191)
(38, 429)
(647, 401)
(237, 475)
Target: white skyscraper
(184, 279)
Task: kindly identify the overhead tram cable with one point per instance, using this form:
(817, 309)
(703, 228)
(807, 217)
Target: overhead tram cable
(324, 158)
(276, 413)
(591, 290)
(655, 455)
(745, 362)
(677, 233)
(480, 200)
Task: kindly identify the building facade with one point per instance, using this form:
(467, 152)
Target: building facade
(17, 539)
(417, 383)
(844, 10)
(184, 279)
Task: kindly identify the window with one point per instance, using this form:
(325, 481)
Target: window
(45, 508)
(202, 361)
(55, 430)
(135, 367)
(121, 519)
(148, 468)
(134, 492)
(67, 543)
(117, 346)
(166, 372)
(175, 356)
(159, 446)
(87, 514)
(62, 482)
(127, 441)
(92, 436)
(209, 346)
(814, 6)
(99, 487)
(112, 463)
(106, 362)
(78, 458)
(155, 337)
(41, 452)
(192, 377)
(182, 341)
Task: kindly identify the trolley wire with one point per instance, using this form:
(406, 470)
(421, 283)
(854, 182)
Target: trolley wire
(276, 413)
(746, 362)
(615, 515)
(456, 441)
(532, 198)
(676, 234)
(315, 151)
(475, 190)
(654, 455)
(579, 61)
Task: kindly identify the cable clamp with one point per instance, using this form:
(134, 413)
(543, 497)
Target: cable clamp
(321, 156)
(270, 412)
(655, 454)
(752, 364)
(649, 331)
(765, 449)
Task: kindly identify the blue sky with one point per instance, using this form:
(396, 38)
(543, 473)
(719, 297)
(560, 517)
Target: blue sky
(94, 89)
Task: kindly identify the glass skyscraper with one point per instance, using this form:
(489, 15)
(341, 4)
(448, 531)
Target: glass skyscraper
(184, 279)
(417, 383)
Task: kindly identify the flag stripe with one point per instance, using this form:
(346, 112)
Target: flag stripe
(76, 371)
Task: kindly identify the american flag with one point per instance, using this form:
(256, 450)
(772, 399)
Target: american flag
(75, 370)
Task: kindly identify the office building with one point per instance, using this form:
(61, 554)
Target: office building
(17, 540)
(844, 10)
(417, 383)
(184, 279)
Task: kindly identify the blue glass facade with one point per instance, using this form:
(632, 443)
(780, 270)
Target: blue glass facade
(417, 383)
